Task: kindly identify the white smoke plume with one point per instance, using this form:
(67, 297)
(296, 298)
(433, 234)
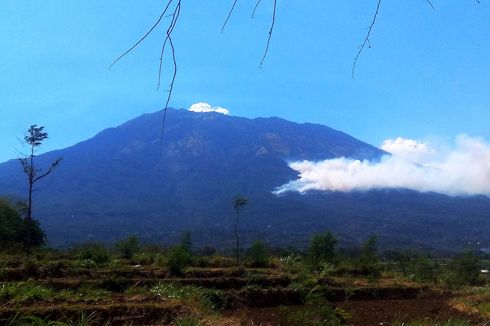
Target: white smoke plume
(414, 165)
(205, 107)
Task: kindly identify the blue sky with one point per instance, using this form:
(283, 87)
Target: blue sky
(427, 74)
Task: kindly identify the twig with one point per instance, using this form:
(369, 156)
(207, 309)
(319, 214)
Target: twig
(229, 15)
(144, 36)
(431, 5)
(174, 60)
(366, 39)
(175, 16)
(255, 8)
(270, 33)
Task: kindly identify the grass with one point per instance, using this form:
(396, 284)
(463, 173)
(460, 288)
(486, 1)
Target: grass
(205, 299)
(431, 322)
(21, 292)
(28, 292)
(476, 299)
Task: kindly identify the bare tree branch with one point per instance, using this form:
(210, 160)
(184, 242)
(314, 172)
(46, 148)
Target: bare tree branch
(144, 36)
(255, 8)
(366, 39)
(51, 168)
(176, 15)
(431, 5)
(270, 33)
(229, 15)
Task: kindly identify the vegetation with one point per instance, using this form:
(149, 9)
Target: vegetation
(238, 203)
(181, 286)
(32, 236)
(321, 249)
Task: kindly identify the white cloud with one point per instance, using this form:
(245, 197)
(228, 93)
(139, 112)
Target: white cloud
(205, 107)
(465, 170)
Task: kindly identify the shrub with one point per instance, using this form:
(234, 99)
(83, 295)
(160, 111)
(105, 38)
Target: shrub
(94, 252)
(316, 312)
(193, 295)
(178, 259)
(128, 247)
(257, 254)
(321, 249)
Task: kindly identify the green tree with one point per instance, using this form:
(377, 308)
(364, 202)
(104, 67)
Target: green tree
(369, 257)
(466, 268)
(321, 249)
(181, 256)
(34, 137)
(11, 224)
(238, 203)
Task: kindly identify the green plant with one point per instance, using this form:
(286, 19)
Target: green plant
(94, 252)
(196, 296)
(257, 254)
(128, 247)
(187, 321)
(177, 259)
(368, 262)
(316, 312)
(321, 249)
(24, 292)
(431, 322)
(293, 264)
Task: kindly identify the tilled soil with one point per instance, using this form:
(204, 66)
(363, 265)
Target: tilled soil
(369, 312)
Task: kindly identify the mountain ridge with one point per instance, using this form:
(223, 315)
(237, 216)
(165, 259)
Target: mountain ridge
(127, 179)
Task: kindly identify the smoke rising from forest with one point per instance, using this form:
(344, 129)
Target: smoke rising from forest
(462, 170)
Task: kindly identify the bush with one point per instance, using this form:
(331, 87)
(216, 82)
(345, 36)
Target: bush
(192, 295)
(31, 235)
(316, 312)
(257, 254)
(368, 262)
(321, 249)
(94, 252)
(11, 224)
(178, 259)
(128, 247)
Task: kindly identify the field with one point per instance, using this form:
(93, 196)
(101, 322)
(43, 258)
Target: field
(56, 288)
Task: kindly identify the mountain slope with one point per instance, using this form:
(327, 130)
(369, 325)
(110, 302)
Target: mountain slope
(130, 180)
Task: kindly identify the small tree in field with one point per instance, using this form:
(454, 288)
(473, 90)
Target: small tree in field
(34, 137)
(238, 203)
(322, 249)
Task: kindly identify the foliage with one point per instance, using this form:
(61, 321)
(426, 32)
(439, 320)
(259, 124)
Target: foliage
(238, 203)
(464, 269)
(193, 295)
(32, 235)
(321, 249)
(431, 322)
(257, 254)
(187, 321)
(94, 252)
(178, 259)
(368, 262)
(181, 256)
(24, 292)
(293, 264)
(128, 247)
(11, 224)
(316, 312)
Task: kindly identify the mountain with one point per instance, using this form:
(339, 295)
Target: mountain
(130, 179)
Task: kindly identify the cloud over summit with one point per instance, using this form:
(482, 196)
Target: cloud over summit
(414, 165)
(205, 107)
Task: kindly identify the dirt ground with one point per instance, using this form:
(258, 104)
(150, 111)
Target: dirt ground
(371, 312)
